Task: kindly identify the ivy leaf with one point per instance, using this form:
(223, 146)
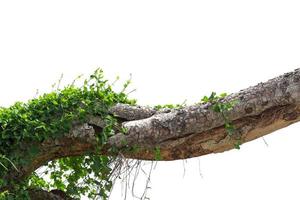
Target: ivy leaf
(33, 150)
(222, 95)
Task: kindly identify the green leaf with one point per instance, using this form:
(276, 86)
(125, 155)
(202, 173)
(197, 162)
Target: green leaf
(33, 150)
(222, 95)
(205, 99)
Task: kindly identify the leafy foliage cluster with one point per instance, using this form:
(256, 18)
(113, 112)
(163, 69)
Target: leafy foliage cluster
(51, 116)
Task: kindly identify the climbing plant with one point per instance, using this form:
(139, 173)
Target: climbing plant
(51, 116)
(222, 107)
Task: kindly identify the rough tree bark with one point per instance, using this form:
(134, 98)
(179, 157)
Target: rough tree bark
(188, 132)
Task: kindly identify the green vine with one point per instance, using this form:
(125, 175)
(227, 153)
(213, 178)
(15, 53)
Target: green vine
(170, 106)
(51, 116)
(4, 158)
(223, 108)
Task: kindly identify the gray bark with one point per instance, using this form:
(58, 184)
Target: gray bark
(188, 132)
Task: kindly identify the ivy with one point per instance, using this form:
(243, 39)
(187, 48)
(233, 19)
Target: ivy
(223, 108)
(51, 116)
(170, 106)
(3, 158)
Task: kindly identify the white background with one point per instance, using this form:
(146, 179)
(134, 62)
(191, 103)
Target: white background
(176, 51)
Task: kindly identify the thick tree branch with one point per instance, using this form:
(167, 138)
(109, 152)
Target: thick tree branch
(183, 133)
(197, 130)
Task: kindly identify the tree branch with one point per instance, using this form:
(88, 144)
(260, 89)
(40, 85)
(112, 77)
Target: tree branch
(183, 133)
